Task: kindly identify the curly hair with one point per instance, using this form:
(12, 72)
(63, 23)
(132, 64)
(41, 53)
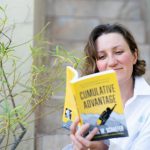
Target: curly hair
(91, 52)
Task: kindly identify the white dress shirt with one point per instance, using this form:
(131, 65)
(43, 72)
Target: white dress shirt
(137, 113)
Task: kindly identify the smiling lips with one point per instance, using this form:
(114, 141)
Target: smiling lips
(117, 68)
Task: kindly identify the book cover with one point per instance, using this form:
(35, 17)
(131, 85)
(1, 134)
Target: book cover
(70, 111)
(96, 99)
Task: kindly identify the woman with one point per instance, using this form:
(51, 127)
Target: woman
(113, 47)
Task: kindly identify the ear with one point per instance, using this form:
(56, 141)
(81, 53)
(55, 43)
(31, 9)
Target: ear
(135, 56)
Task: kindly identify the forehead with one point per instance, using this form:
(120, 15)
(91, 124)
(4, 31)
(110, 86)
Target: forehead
(107, 41)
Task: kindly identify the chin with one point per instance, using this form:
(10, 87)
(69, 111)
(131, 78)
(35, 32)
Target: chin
(120, 77)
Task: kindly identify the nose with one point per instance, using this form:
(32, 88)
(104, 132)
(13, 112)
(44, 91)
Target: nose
(112, 61)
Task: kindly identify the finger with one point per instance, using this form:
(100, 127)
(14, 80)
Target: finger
(82, 130)
(92, 134)
(76, 144)
(74, 125)
(84, 142)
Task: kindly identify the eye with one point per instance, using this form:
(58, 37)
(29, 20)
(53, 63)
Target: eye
(102, 57)
(119, 52)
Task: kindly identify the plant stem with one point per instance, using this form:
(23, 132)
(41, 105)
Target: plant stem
(7, 141)
(1, 140)
(14, 106)
(19, 139)
(7, 83)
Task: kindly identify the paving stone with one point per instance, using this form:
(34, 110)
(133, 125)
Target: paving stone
(52, 142)
(51, 120)
(71, 28)
(130, 11)
(147, 76)
(87, 8)
(76, 29)
(136, 27)
(145, 54)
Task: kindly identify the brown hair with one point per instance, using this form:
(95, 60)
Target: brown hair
(91, 52)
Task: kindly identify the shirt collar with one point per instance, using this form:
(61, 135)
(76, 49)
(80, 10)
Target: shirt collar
(141, 87)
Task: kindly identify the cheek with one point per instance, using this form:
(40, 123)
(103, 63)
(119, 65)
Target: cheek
(101, 66)
(127, 59)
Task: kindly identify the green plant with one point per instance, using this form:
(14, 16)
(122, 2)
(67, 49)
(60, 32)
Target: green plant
(22, 92)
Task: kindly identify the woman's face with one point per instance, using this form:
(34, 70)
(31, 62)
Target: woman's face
(114, 53)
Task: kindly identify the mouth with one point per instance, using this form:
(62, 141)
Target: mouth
(117, 69)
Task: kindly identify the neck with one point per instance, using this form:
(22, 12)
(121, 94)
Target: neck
(127, 89)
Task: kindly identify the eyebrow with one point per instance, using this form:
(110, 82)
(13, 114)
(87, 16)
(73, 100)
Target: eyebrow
(112, 48)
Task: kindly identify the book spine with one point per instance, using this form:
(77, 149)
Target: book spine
(78, 115)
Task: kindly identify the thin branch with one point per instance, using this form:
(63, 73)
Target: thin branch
(19, 139)
(14, 106)
(7, 47)
(8, 86)
(7, 141)
(1, 140)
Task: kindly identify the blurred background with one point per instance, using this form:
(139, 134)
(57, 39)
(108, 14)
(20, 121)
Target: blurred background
(70, 22)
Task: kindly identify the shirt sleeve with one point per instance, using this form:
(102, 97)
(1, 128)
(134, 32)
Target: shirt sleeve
(142, 141)
(68, 147)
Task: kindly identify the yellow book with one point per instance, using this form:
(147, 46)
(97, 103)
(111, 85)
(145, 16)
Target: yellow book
(96, 100)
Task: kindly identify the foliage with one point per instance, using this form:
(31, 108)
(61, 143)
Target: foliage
(22, 92)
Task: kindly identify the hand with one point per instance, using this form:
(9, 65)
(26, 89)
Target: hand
(85, 143)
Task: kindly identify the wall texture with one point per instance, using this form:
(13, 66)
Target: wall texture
(70, 24)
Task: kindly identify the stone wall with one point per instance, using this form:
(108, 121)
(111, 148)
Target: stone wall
(70, 24)
(145, 11)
